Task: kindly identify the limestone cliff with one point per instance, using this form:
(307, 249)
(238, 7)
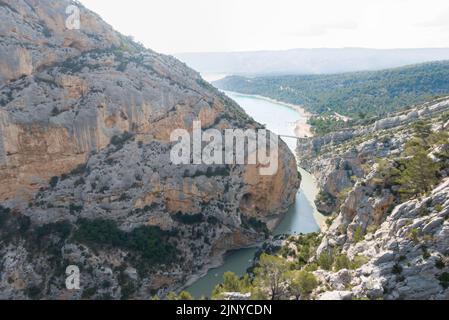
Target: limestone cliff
(85, 122)
(389, 243)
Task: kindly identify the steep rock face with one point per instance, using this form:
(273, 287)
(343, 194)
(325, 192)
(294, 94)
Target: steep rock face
(310, 148)
(403, 243)
(37, 36)
(92, 111)
(400, 265)
(338, 159)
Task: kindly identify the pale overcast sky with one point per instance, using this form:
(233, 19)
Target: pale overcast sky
(173, 26)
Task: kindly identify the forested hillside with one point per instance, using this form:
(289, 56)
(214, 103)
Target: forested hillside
(357, 95)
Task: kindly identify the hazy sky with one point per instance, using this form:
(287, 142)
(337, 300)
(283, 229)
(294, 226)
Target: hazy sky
(173, 26)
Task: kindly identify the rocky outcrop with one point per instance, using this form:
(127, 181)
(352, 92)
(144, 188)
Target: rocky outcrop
(336, 295)
(400, 246)
(36, 36)
(407, 255)
(309, 148)
(85, 123)
(339, 159)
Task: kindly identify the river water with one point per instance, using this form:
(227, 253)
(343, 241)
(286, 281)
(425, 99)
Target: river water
(302, 217)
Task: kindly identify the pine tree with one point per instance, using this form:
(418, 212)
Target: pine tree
(270, 274)
(419, 175)
(302, 284)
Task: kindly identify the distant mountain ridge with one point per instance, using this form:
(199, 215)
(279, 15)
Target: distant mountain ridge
(357, 94)
(309, 61)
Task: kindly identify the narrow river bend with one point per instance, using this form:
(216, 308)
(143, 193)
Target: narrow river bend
(302, 216)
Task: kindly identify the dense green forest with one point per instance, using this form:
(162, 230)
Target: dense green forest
(357, 94)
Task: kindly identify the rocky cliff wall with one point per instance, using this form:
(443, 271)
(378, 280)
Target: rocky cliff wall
(85, 123)
(402, 242)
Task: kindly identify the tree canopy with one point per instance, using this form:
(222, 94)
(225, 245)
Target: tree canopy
(357, 94)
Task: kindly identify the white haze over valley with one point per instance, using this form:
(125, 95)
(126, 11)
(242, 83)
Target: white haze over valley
(174, 26)
(306, 61)
(268, 30)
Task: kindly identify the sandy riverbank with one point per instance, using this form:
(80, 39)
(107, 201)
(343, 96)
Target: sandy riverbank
(302, 128)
